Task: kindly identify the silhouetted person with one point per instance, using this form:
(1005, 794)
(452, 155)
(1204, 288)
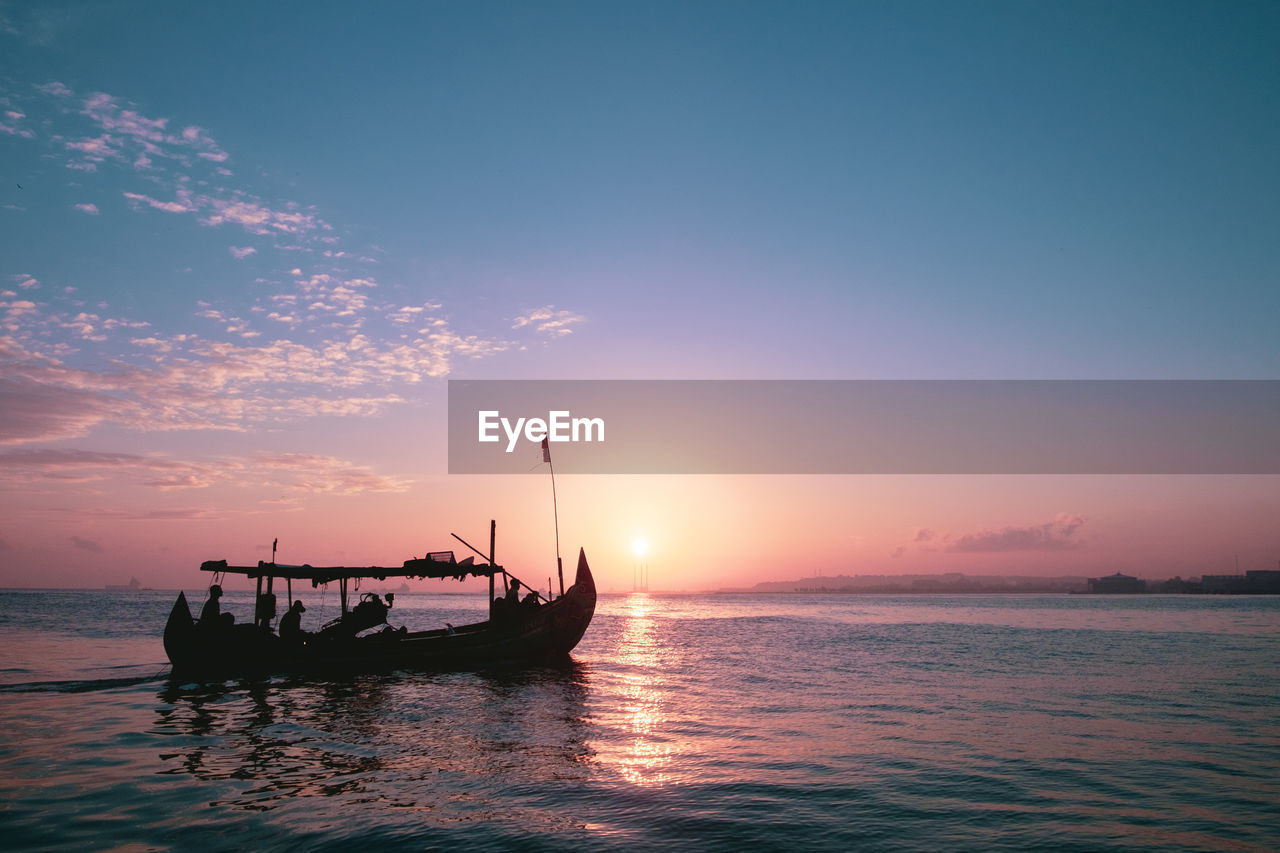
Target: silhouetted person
(511, 602)
(211, 612)
(291, 625)
(530, 602)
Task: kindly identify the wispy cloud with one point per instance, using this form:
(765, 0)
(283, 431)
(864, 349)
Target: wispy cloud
(1056, 535)
(206, 384)
(257, 218)
(12, 125)
(292, 472)
(317, 340)
(181, 204)
(85, 544)
(129, 136)
(31, 410)
(549, 321)
(56, 89)
(329, 475)
(1060, 534)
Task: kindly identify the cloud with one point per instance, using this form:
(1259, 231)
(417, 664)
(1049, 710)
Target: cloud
(94, 151)
(330, 475)
(125, 128)
(243, 210)
(167, 514)
(182, 204)
(111, 116)
(1056, 535)
(67, 370)
(256, 218)
(924, 534)
(109, 129)
(293, 472)
(34, 411)
(549, 321)
(55, 89)
(11, 125)
(196, 383)
(85, 544)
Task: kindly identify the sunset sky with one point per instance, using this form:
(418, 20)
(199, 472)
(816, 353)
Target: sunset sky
(243, 247)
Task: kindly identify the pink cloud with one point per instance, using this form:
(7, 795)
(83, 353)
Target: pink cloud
(55, 89)
(1057, 535)
(256, 218)
(107, 112)
(329, 475)
(34, 411)
(201, 384)
(124, 130)
(91, 209)
(54, 468)
(10, 126)
(243, 211)
(242, 252)
(85, 544)
(549, 321)
(97, 149)
(182, 205)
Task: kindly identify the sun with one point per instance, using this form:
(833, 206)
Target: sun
(640, 547)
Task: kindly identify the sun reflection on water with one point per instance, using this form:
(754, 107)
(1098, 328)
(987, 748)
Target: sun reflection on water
(648, 755)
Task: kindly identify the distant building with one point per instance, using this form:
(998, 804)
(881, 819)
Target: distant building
(1117, 583)
(1262, 582)
(1223, 584)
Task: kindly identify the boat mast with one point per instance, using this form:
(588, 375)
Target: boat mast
(555, 508)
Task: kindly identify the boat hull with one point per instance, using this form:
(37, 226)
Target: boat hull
(545, 633)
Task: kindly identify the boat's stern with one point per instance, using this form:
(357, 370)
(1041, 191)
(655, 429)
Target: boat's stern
(572, 617)
(584, 584)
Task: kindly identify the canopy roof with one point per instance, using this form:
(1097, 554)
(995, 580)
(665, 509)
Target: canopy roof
(437, 564)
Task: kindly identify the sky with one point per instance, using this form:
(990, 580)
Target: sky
(244, 247)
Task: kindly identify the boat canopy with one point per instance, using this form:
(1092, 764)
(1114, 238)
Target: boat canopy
(436, 564)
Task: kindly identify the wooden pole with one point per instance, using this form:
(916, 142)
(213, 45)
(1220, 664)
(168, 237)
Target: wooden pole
(479, 553)
(555, 508)
(493, 535)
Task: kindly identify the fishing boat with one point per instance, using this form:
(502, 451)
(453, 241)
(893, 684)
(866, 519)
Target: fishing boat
(518, 630)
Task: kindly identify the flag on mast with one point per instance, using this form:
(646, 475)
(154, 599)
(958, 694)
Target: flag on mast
(546, 451)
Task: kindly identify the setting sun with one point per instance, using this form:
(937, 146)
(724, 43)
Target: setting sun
(640, 547)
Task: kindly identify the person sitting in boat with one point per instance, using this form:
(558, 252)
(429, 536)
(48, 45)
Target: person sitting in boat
(511, 601)
(211, 615)
(291, 625)
(530, 602)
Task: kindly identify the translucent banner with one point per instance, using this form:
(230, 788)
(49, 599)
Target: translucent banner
(865, 426)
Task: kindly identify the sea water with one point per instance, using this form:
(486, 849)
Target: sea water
(784, 722)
